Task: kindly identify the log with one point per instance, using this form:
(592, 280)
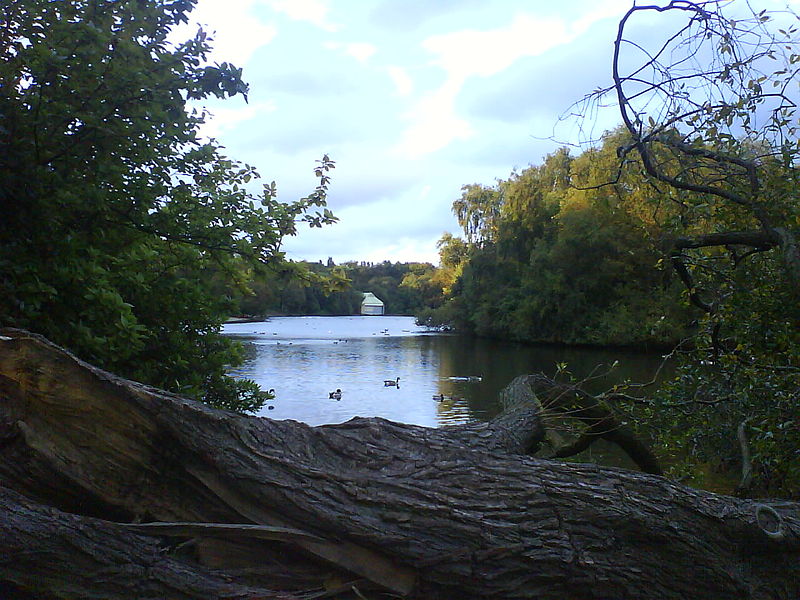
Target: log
(422, 513)
(46, 553)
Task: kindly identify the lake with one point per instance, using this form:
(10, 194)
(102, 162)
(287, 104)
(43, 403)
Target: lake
(305, 358)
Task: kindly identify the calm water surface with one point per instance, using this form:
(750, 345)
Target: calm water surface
(306, 358)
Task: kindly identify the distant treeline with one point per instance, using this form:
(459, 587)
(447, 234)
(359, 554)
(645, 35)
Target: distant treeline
(330, 289)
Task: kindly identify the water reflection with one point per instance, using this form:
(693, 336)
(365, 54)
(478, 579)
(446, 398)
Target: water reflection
(306, 358)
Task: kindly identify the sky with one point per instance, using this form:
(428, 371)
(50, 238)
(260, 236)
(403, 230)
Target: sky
(411, 98)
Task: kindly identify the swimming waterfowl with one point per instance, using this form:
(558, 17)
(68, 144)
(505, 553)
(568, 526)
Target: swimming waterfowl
(442, 398)
(388, 382)
(337, 395)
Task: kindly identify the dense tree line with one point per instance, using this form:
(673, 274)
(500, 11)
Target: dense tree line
(330, 289)
(553, 254)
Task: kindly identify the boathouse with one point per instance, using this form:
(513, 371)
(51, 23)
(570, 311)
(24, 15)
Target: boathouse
(371, 304)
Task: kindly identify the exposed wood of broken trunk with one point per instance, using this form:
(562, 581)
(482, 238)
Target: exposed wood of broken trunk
(427, 513)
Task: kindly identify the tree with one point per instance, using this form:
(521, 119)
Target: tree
(530, 200)
(114, 209)
(477, 211)
(569, 260)
(424, 286)
(710, 108)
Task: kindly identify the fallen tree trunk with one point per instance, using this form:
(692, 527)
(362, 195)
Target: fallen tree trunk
(45, 552)
(420, 512)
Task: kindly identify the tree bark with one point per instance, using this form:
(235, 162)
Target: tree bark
(45, 552)
(424, 513)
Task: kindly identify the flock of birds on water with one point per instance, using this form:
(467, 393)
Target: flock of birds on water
(339, 341)
(395, 383)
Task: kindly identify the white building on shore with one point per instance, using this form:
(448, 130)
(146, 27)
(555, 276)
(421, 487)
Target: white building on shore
(371, 304)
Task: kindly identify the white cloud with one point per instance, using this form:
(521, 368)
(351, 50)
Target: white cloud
(434, 123)
(222, 120)
(403, 83)
(466, 53)
(361, 51)
(236, 31)
(411, 249)
(607, 9)
(375, 231)
(311, 11)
